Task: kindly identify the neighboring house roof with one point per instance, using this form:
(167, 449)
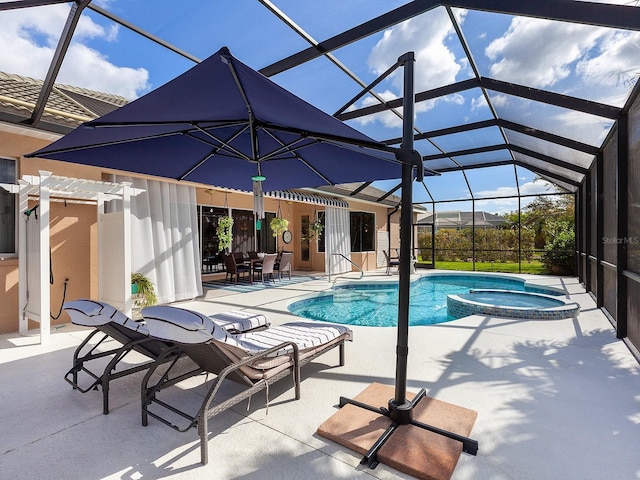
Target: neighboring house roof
(66, 108)
(459, 219)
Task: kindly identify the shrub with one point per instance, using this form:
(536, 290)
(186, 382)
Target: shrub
(559, 251)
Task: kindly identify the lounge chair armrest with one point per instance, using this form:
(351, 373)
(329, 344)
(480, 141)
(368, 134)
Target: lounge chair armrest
(295, 355)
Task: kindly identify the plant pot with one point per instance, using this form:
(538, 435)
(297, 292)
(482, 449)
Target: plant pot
(134, 289)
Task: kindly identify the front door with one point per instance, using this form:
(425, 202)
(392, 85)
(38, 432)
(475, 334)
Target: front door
(304, 255)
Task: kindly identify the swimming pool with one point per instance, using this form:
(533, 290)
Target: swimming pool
(376, 304)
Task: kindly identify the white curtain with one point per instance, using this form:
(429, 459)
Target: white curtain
(337, 239)
(164, 236)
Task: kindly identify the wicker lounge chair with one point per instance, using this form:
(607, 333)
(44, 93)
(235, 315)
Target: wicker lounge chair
(111, 324)
(254, 360)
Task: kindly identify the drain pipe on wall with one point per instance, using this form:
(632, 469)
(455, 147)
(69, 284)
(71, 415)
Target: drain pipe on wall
(389, 226)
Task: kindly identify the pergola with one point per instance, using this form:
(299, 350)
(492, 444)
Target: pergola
(573, 122)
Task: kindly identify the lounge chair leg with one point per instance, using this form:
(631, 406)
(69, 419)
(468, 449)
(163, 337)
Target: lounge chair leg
(297, 380)
(204, 439)
(342, 356)
(105, 396)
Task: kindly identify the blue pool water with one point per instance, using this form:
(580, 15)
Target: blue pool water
(514, 300)
(377, 305)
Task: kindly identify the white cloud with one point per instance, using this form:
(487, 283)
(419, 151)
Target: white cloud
(425, 35)
(435, 64)
(583, 127)
(506, 205)
(537, 186)
(497, 192)
(499, 207)
(387, 118)
(533, 187)
(97, 73)
(28, 39)
(617, 61)
(479, 102)
(540, 52)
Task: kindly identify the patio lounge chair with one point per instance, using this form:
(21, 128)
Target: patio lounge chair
(254, 360)
(132, 335)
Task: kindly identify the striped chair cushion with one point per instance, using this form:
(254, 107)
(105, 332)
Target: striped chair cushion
(306, 335)
(237, 321)
(186, 326)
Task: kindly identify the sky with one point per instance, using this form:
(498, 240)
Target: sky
(598, 64)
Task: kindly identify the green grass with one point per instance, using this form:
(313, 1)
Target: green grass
(533, 267)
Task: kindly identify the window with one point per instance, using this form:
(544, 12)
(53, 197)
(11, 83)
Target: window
(266, 240)
(321, 219)
(243, 234)
(363, 228)
(208, 221)
(305, 250)
(243, 231)
(7, 207)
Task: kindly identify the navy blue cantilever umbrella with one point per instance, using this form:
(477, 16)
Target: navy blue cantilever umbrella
(220, 123)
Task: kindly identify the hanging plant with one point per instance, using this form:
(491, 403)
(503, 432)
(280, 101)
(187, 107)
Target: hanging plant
(315, 229)
(224, 233)
(144, 287)
(278, 226)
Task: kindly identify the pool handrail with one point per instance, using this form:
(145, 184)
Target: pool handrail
(351, 262)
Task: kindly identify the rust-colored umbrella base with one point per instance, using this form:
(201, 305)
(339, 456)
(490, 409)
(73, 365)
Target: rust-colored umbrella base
(410, 449)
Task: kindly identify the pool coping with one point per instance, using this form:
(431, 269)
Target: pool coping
(460, 306)
(393, 279)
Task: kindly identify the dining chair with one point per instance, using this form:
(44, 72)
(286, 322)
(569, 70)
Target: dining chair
(234, 270)
(266, 268)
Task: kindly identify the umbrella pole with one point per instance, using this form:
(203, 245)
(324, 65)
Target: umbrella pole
(399, 404)
(400, 410)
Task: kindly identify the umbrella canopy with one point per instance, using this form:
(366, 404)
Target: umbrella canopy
(220, 123)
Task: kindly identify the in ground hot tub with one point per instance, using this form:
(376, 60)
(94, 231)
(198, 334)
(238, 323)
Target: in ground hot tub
(511, 304)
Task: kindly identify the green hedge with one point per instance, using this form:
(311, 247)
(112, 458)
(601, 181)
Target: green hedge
(492, 245)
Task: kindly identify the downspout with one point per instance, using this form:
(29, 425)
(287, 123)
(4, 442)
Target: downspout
(389, 226)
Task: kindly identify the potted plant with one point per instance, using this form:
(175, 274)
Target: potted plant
(225, 235)
(279, 225)
(141, 285)
(315, 229)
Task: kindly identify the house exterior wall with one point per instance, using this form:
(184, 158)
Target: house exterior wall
(74, 229)
(73, 236)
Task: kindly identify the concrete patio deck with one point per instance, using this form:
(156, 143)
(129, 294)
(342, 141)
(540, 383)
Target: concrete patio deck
(555, 400)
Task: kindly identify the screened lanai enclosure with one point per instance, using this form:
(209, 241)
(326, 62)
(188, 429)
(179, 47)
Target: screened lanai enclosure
(513, 99)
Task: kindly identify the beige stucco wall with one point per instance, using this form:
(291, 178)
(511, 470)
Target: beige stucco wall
(73, 236)
(9, 295)
(366, 260)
